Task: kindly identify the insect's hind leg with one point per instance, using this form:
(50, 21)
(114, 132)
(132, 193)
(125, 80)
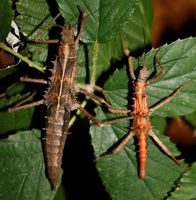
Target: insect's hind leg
(163, 147)
(116, 149)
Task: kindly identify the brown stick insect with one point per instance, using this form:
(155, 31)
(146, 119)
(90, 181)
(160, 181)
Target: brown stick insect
(60, 98)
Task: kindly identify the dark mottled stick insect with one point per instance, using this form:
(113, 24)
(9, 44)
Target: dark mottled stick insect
(140, 114)
(60, 100)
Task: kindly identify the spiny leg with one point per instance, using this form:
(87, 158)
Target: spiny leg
(169, 98)
(163, 147)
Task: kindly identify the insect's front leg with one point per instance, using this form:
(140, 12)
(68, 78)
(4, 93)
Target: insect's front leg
(160, 74)
(119, 146)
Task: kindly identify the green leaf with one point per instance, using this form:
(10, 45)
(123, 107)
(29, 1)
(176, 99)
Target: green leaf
(34, 17)
(160, 123)
(104, 18)
(15, 120)
(22, 168)
(137, 31)
(119, 172)
(6, 16)
(186, 188)
(13, 94)
(102, 56)
(7, 72)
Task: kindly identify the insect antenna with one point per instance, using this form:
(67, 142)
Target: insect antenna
(144, 61)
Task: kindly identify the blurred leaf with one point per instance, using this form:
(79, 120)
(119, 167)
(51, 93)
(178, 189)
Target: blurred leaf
(22, 169)
(186, 188)
(137, 31)
(191, 118)
(6, 15)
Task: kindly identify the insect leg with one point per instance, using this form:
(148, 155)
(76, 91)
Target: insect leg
(30, 105)
(115, 150)
(130, 66)
(83, 17)
(99, 123)
(33, 80)
(103, 101)
(169, 98)
(39, 40)
(163, 147)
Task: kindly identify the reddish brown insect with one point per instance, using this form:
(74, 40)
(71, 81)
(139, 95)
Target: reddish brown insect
(141, 126)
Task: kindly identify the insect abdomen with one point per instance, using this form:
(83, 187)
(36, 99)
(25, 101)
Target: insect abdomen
(142, 153)
(56, 133)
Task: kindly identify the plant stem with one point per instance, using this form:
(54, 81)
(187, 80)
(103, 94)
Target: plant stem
(94, 65)
(23, 58)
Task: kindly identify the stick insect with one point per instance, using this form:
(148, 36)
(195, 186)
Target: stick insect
(140, 114)
(60, 99)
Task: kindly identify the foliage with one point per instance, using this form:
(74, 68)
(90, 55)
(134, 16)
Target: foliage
(110, 27)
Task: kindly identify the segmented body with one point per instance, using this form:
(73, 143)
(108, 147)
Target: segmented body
(60, 100)
(141, 125)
